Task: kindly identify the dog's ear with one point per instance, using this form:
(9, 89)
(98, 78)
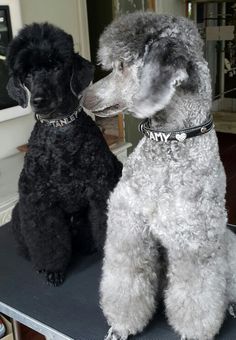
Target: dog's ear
(166, 66)
(17, 91)
(82, 74)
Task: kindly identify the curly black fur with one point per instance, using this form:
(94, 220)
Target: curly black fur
(68, 171)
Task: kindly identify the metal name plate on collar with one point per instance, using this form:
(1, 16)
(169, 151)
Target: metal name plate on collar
(180, 136)
(59, 122)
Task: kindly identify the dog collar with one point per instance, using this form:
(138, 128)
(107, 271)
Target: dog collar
(59, 122)
(180, 135)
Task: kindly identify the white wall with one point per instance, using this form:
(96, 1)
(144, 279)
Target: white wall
(13, 133)
(70, 15)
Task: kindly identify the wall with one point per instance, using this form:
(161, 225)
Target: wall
(54, 11)
(68, 15)
(13, 133)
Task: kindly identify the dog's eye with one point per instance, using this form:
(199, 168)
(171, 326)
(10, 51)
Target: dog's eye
(28, 76)
(27, 79)
(121, 66)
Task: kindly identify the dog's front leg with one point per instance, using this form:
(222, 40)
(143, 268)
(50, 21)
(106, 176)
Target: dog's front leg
(16, 225)
(231, 275)
(196, 295)
(46, 232)
(130, 271)
(98, 220)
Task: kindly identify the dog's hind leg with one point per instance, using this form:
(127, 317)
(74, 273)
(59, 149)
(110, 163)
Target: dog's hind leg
(130, 271)
(82, 238)
(16, 228)
(46, 231)
(98, 221)
(196, 295)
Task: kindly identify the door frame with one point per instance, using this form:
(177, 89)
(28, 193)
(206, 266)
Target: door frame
(83, 32)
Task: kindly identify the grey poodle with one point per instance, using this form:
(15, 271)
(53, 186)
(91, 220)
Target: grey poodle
(169, 206)
(69, 170)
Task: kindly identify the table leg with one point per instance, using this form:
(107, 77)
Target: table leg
(16, 330)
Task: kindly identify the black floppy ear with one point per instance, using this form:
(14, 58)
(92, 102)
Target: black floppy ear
(17, 91)
(82, 74)
(166, 66)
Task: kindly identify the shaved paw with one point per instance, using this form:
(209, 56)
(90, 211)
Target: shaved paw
(112, 335)
(232, 310)
(55, 278)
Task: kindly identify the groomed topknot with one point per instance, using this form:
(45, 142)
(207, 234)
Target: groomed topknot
(125, 38)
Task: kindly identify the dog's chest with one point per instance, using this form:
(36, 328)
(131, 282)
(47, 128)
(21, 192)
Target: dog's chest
(54, 162)
(56, 178)
(175, 192)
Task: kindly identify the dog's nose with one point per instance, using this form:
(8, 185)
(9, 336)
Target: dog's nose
(38, 101)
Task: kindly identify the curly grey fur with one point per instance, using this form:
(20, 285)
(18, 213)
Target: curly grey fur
(126, 37)
(171, 195)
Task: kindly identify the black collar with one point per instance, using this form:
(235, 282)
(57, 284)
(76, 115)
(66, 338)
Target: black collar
(180, 135)
(60, 121)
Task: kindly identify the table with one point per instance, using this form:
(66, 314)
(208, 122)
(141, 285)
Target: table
(70, 311)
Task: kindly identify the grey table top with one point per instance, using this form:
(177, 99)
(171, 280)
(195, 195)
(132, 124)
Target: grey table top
(70, 311)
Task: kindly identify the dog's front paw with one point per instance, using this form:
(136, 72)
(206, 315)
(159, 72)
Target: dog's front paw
(55, 278)
(113, 335)
(183, 337)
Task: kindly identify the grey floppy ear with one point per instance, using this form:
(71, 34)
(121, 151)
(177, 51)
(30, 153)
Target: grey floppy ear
(17, 91)
(82, 74)
(166, 65)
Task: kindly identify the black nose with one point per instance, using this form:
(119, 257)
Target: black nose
(38, 101)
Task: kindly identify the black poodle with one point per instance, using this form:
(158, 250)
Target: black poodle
(69, 170)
